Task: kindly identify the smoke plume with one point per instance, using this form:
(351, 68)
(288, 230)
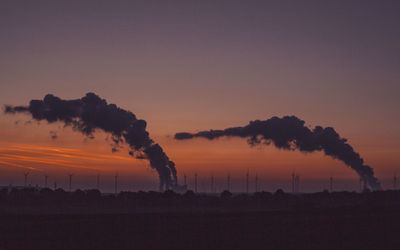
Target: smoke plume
(91, 113)
(290, 133)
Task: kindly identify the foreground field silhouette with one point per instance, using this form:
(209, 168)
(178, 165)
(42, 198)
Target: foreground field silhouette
(47, 219)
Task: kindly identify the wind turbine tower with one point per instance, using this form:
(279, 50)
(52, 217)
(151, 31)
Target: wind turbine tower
(212, 183)
(70, 182)
(247, 181)
(26, 179)
(256, 181)
(297, 183)
(293, 183)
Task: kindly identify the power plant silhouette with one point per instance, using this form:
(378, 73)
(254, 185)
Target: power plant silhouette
(291, 133)
(91, 113)
(248, 183)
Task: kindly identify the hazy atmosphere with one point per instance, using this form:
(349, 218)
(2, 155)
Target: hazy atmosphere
(189, 66)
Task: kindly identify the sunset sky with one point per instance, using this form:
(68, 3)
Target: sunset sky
(197, 65)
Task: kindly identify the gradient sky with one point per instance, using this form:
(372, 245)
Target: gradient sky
(195, 65)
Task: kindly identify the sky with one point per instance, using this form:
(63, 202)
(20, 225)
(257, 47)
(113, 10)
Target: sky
(196, 65)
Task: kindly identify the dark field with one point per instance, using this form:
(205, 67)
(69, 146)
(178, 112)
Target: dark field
(200, 222)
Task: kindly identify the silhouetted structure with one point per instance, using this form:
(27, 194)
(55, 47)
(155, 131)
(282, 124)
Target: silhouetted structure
(361, 185)
(291, 133)
(116, 184)
(26, 179)
(92, 113)
(256, 183)
(293, 183)
(247, 181)
(212, 184)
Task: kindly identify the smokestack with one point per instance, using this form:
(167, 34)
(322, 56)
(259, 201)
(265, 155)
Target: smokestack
(90, 114)
(184, 180)
(361, 185)
(330, 184)
(365, 185)
(26, 179)
(290, 133)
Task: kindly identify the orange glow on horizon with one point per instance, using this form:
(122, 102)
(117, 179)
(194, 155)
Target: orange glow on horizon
(71, 152)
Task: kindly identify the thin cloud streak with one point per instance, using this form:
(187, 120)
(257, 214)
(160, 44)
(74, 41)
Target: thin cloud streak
(15, 154)
(19, 166)
(62, 152)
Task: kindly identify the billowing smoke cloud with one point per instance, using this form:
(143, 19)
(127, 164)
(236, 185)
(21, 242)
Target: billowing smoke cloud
(91, 113)
(290, 133)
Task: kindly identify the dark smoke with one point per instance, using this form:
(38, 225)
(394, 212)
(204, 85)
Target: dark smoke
(290, 133)
(91, 113)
